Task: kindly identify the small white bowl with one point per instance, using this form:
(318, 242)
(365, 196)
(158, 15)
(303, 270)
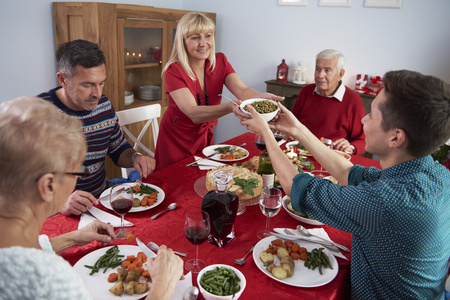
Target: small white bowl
(129, 97)
(268, 116)
(209, 296)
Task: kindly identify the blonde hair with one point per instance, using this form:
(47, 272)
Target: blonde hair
(190, 24)
(35, 138)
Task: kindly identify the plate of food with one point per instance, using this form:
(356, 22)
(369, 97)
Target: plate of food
(154, 194)
(97, 283)
(346, 155)
(225, 153)
(300, 148)
(286, 203)
(297, 273)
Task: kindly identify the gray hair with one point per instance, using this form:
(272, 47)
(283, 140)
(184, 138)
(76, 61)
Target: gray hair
(332, 53)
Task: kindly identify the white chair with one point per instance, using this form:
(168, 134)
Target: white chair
(151, 113)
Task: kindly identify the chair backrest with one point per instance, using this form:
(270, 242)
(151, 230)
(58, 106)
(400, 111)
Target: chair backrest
(151, 113)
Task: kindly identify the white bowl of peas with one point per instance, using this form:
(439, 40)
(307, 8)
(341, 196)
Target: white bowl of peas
(268, 109)
(220, 282)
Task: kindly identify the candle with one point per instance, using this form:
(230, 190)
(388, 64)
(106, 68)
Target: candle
(291, 154)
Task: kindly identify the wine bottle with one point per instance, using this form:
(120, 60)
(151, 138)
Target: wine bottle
(265, 169)
(222, 206)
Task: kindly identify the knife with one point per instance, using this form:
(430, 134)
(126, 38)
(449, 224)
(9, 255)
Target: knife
(329, 245)
(107, 197)
(211, 155)
(147, 251)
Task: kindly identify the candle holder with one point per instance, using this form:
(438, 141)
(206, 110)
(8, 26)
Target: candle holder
(300, 73)
(282, 72)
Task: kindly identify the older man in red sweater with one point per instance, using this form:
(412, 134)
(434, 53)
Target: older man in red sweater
(330, 109)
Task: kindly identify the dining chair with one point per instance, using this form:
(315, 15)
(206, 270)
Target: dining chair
(149, 113)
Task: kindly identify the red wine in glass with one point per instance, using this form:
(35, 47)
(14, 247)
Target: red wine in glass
(122, 206)
(259, 142)
(196, 230)
(196, 235)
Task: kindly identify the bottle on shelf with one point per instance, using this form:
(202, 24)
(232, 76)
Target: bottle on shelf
(222, 206)
(265, 169)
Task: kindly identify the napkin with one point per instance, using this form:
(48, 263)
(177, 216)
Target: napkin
(181, 287)
(207, 164)
(315, 231)
(103, 216)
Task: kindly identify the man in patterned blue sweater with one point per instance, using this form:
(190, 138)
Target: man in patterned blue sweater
(82, 75)
(399, 216)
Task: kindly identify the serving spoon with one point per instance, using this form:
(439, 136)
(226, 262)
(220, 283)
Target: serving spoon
(241, 261)
(155, 248)
(169, 208)
(229, 99)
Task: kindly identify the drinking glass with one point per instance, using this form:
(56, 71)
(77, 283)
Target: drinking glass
(278, 135)
(270, 205)
(121, 199)
(329, 144)
(196, 230)
(259, 142)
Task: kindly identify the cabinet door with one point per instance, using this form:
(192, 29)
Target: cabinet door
(141, 56)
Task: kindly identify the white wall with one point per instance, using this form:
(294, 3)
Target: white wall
(255, 35)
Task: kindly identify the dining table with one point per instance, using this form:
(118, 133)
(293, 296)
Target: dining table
(178, 181)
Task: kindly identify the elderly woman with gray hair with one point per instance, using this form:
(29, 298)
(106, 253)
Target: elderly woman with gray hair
(42, 151)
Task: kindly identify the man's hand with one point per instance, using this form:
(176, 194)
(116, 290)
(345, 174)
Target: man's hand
(144, 164)
(78, 202)
(343, 145)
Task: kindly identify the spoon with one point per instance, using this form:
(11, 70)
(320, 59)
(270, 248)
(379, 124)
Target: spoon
(169, 208)
(155, 248)
(229, 99)
(241, 261)
(306, 232)
(191, 293)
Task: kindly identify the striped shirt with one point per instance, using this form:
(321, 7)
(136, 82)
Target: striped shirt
(103, 136)
(399, 218)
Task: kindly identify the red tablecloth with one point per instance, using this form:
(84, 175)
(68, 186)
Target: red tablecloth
(177, 181)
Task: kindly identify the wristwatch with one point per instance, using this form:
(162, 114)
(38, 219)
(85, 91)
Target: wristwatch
(133, 155)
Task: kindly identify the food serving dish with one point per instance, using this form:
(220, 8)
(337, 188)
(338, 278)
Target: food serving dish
(207, 151)
(267, 116)
(159, 199)
(300, 151)
(209, 296)
(298, 217)
(303, 277)
(98, 284)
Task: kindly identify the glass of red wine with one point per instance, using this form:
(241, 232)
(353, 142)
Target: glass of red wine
(278, 135)
(270, 205)
(259, 142)
(196, 229)
(121, 200)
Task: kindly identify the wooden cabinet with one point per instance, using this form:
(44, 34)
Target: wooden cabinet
(136, 40)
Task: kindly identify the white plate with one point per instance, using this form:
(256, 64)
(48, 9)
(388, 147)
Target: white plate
(303, 277)
(98, 284)
(210, 150)
(301, 151)
(159, 199)
(297, 217)
(346, 155)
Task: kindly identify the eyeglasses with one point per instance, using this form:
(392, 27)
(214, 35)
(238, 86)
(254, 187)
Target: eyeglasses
(84, 172)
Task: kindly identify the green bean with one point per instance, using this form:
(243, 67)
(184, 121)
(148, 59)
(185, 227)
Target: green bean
(220, 281)
(110, 259)
(317, 259)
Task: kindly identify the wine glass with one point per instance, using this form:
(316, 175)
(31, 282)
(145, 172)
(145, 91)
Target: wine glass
(278, 135)
(121, 199)
(196, 230)
(270, 205)
(259, 142)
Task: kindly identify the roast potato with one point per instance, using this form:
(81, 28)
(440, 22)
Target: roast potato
(122, 273)
(133, 275)
(279, 272)
(140, 288)
(129, 288)
(282, 252)
(266, 258)
(117, 289)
